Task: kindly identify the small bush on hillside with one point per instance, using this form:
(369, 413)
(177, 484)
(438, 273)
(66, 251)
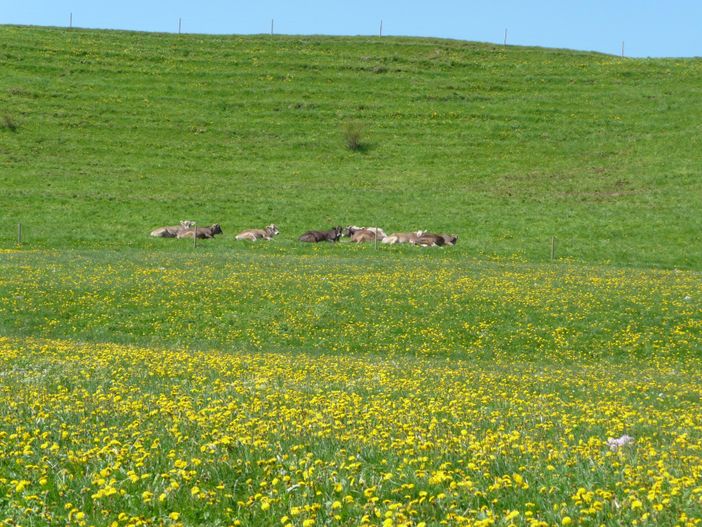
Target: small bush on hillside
(19, 92)
(9, 123)
(353, 135)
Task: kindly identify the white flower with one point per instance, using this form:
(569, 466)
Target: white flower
(615, 444)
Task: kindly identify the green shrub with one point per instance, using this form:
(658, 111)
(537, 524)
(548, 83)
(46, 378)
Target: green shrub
(9, 123)
(353, 135)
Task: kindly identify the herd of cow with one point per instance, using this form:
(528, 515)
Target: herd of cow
(187, 229)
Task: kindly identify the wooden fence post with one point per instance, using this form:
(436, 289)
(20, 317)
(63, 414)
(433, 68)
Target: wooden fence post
(553, 247)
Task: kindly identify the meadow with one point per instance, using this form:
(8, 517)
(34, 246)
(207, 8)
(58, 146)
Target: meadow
(221, 383)
(367, 303)
(110, 434)
(113, 133)
(195, 389)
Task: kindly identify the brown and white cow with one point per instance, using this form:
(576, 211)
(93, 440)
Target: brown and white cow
(429, 239)
(351, 229)
(450, 239)
(172, 231)
(200, 232)
(258, 234)
(403, 237)
(366, 235)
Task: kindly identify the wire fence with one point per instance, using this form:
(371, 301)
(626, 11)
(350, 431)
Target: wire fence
(531, 249)
(380, 33)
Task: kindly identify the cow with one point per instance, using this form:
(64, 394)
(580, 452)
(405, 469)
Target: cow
(172, 231)
(332, 235)
(365, 235)
(258, 234)
(403, 237)
(200, 232)
(449, 239)
(351, 229)
(429, 239)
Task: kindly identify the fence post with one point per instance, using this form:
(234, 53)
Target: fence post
(553, 247)
(194, 234)
(179, 24)
(381, 28)
(19, 234)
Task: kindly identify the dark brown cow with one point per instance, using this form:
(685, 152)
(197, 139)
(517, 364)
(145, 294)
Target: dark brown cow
(332, 235)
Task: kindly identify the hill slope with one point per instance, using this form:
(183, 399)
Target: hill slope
(506, 147)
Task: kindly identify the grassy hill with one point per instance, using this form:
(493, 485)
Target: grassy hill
(104, 135)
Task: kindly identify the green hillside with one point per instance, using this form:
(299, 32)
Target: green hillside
(104, 135)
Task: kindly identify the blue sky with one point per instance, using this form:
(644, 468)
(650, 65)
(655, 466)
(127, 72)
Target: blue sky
(648, 28)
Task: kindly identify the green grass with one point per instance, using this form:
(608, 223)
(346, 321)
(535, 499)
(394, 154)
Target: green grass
(119, 132)
(360, 302)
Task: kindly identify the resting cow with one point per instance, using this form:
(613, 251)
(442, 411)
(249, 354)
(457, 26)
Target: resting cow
(258, 234)
(332, 235)
(201, 232)
(449, 239)
(366, 235)
(429, 239)
(171, 231)
(351, 229)
(403, 237)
